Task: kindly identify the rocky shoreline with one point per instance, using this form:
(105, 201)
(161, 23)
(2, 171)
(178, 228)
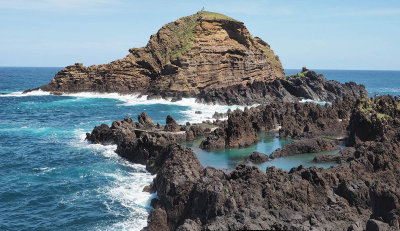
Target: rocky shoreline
(360, 195)
(305, 85)
(214, 58)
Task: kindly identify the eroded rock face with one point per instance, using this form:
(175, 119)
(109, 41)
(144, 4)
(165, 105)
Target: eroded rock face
(202, 51)
(145, 121)
(297, 120)
(258, 157)
(171, 125)
(303, 85)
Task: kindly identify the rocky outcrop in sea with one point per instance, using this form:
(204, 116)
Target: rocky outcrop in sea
(202, 51)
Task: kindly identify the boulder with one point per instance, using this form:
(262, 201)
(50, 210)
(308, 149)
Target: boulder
(258, 157)
(304, 146)
(171, 125)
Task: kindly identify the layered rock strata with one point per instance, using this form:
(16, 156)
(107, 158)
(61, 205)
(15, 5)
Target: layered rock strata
(194, 53)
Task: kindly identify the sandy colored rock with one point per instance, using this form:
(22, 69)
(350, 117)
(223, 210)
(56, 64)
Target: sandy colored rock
(202, 51)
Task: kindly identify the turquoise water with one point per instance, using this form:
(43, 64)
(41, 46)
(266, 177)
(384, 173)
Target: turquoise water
(229, 158)
(51, 179)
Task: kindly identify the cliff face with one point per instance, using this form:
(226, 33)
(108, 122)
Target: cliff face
(202, 51)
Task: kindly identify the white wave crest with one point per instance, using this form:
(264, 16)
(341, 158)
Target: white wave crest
(126, 187)
(207, 110)
(31, 93)
(314, 101)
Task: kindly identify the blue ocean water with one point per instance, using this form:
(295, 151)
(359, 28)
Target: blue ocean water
(52, 179)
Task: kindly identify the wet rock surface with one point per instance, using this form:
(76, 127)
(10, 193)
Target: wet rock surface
(258, 157)
(304, 146)
(361, 195)
(345, 155)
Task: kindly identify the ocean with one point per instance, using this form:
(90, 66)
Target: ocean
(52, 179)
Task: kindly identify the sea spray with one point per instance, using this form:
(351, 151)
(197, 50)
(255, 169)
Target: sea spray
(207, 110)
(126, 189)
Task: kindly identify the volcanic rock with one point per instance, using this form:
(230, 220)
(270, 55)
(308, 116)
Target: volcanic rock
(258, 157)
(304, 146)
(171, 125)
(363, 194)
(345, 155)
(303, 85)
(145, 121)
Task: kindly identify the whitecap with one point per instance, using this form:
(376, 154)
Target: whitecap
(126, 188)
(207, 110)
(31, 93)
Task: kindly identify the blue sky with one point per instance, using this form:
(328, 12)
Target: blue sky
(329, 34)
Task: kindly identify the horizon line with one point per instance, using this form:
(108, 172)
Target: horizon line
(326, 69)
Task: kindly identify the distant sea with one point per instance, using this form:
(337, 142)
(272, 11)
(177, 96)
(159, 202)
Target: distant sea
(52, 179)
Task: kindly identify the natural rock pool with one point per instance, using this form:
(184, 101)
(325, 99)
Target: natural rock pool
(269, 142)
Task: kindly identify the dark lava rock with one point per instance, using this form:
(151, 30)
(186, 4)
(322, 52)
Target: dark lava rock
(157, 220)
(362, 194)
(375, 225)
(258, 157)
(117, 133)
(304, 85)
(345, 155)
(296, 120)
(171, 125)
(145, 121)
(304, 146)
(101, 135)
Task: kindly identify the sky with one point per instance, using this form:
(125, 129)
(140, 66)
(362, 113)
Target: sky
(329, 34)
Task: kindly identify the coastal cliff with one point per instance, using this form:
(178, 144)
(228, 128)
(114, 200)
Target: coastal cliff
(202, 51)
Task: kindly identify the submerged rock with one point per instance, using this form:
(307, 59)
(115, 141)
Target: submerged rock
(345, 155)
(304, 146)
(258, 157)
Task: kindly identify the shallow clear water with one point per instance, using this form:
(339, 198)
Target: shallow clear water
(229, 158)
(51, 179)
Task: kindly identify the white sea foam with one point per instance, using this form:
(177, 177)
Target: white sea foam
(126, 187)
(314, 101)
(387, 89)
(207, 110)
(21, 94)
